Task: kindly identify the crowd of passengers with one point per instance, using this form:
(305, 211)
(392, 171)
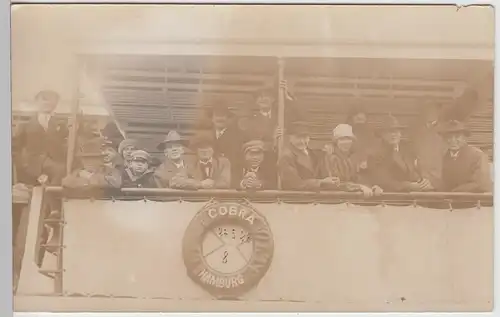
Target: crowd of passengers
(230, 154)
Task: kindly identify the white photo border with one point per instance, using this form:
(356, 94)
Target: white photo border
(6, 307)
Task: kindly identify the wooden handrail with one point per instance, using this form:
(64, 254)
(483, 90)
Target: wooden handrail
(276, 194)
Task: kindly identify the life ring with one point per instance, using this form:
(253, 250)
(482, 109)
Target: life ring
(227, 248)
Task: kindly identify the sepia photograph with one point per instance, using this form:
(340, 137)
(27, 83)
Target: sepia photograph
(252, 158)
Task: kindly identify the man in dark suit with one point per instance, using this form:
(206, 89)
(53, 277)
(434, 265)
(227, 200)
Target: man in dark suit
(227, 136)
(394, 167)
(207, 170)
(39, 153)
(258, 172)
(465, 168)
(428, 145)
(39, 146)
(264, 122)
(299, 165)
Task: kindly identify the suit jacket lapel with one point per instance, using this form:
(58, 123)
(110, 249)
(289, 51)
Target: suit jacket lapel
(35, 125)
(304, 160)
(399, 160)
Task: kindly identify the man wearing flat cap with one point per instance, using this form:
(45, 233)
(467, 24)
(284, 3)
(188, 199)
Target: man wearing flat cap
(125, 149)
(299, 165)
(257, 172)
(174, 166)
(98, 176)
(465, 168)
(395, 167)
(98, 172)
(138, 173)
(208, 171)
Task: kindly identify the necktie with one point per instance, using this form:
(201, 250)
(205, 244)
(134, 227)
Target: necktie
(207, 169)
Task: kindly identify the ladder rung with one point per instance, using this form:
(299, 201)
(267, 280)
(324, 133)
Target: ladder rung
(50, 273)
(54, 246)
(51, 220)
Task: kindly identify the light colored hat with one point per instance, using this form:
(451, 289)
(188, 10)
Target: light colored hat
(125, 143)
(172, 137)
(343, 131)
(253, 145)
(140, 154)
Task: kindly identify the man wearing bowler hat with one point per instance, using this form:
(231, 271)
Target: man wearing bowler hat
(174, 163)
(257, 172)
(208, 171)
(465, 168)
(138, 172)
(394, 167)
(299, 165)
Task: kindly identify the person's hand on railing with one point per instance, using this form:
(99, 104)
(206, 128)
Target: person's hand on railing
(367, 191)
(42, 179)
(84, 174)
(207, 183)
(425, 185)
(330, 181)
(377, 190)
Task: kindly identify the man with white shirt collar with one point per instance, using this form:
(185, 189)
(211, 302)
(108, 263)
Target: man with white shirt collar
(208, 171)
(395, 166)
(174, 166)
(227, 136)
(264, 122)
(39, 151)
(465, 167)
(39, 145)
(299, 166)
(428, 145)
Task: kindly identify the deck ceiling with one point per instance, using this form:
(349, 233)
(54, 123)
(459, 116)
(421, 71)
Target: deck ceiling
(150, 95)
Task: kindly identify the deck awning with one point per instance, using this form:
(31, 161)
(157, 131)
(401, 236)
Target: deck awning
(152, 94)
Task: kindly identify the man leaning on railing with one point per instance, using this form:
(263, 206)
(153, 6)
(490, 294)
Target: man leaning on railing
(465, 168)
(342, 163)
(259, 169)
(394, 167)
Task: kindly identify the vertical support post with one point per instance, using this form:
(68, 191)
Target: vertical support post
(74, 118)
(281, 108)
(72, 139)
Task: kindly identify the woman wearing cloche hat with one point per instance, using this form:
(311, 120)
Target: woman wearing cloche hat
(341, 164)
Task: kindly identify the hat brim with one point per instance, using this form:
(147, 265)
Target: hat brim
(163, 145)
(352, 137)
(465, 131)
(200, 145)
(254, 149)
(392, 128)
(141, 159)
